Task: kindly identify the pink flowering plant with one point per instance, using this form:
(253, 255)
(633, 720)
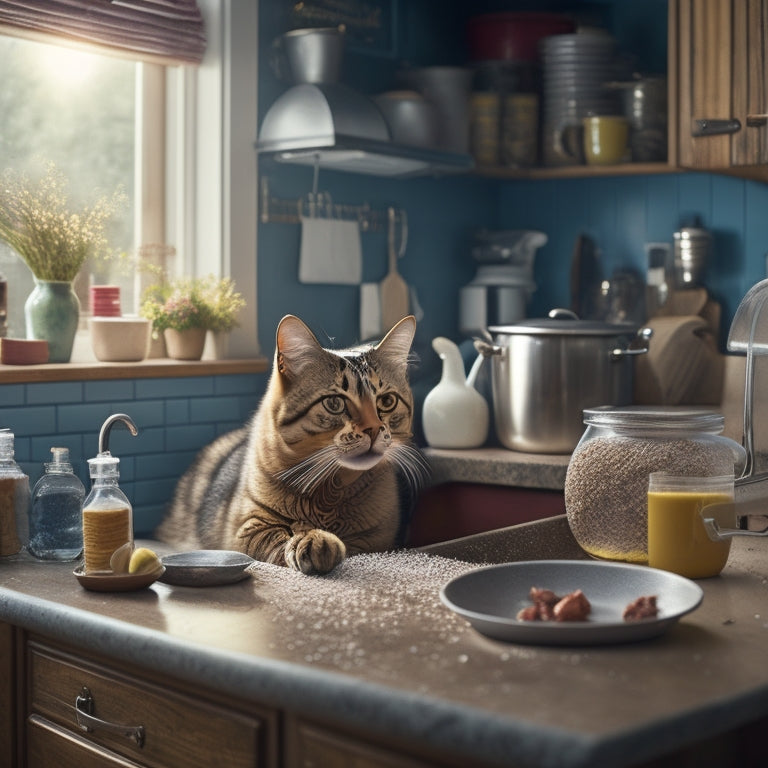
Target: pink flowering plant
(186, 303)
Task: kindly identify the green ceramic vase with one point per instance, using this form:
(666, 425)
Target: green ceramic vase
(52, 312)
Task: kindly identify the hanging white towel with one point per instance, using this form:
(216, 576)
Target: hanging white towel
(330, 251)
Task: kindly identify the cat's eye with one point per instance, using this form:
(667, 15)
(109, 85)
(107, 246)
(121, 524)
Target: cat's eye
(334, 404)
(387, 402)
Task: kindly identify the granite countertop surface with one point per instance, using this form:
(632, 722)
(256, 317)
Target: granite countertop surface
(373, 648)
(497, 466)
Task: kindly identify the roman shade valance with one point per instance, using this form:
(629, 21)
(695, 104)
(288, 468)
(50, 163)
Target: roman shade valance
(170, 31)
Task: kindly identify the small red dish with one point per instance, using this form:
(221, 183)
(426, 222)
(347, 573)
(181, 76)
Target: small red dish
(23, 351)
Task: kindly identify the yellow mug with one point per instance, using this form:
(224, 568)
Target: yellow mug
(677, 538)
(605, 139)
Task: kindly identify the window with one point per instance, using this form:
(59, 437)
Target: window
(179, 139)
(76, 110)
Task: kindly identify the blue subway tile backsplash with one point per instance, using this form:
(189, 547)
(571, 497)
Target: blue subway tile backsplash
(176, 417)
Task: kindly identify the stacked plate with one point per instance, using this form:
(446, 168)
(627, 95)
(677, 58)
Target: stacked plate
(575, 68)
(105, 300)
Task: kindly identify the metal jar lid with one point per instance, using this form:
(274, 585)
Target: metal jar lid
(655, 418)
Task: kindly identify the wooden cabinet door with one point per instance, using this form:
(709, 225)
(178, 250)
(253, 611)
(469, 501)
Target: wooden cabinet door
(720, 60)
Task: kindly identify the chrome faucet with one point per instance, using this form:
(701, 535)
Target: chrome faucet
(748, 336)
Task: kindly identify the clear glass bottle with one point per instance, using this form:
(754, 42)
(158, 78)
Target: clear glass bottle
(56, 516)
(606, 484)
(107, 514)
(14, 499)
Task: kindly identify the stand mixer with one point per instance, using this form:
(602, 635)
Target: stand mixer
(499, 292)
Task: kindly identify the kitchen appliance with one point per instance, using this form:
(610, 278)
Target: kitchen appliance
(313, 55)
(692, 250)
(331, 125)
(503, 284)
(545, 372)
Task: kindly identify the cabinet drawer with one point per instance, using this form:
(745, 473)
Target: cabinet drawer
(311, 746)
(49, 744)
(178, 730)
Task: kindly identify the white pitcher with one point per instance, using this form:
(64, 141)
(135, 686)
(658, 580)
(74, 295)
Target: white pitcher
(455, 414)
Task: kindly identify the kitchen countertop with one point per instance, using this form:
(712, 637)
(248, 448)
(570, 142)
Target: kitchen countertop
(393, 662)
(497, 466)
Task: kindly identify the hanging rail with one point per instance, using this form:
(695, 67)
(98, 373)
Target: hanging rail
(290, 211)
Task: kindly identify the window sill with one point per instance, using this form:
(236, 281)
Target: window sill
(147, 369)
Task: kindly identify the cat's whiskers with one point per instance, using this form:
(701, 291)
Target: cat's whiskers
(410, 462)
(310, 473)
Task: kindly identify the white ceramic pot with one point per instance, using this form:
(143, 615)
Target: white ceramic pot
(120, 339)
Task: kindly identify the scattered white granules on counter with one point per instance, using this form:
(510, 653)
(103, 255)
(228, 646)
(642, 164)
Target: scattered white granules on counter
(371, 603)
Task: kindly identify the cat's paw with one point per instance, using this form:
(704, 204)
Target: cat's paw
(314, 552)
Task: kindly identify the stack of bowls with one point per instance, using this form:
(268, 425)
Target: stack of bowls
(105, 300)
(574, 70)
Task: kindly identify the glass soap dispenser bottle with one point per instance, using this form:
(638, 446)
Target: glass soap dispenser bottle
(56, 516)
(107, 513)
(14, 499)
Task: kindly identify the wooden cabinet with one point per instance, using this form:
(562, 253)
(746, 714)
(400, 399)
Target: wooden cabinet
(80, 712)
(718, 63)
(308, 745)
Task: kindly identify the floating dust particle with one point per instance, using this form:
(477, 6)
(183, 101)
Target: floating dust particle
(368, 601)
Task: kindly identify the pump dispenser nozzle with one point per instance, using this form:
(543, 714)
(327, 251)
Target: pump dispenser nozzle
(107, 514)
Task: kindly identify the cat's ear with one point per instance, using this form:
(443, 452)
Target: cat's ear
(396, 345)
(296, 346)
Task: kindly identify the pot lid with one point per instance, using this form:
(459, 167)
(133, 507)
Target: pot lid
(563, 322)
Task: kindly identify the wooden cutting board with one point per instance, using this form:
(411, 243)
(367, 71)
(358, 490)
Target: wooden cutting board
(394, 294)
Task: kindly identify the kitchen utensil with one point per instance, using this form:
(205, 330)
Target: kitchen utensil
(490, 597)
(683, 365)
(644, 104)
(605, 139)
(410, 117)
(309, 55)
(394, 290)
(447, 89)
(545, 372)
(693, 246)
(455, 414)
(370, 311)
(107, 581)
(206, 568)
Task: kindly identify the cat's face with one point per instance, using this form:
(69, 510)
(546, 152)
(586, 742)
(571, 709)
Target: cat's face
(343, 409)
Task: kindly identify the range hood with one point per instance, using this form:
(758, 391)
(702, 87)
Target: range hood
(332, 126)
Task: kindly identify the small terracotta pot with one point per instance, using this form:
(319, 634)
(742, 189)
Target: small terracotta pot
(185, 345)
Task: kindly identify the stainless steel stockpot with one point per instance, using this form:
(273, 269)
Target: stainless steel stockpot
(546, 372)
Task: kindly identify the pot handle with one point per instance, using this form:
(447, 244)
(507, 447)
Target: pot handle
(485, 349)
(642, 339)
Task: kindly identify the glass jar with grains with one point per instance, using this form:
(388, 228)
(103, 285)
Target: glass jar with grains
(606, 483)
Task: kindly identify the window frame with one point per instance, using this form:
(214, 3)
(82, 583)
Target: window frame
(211, 170)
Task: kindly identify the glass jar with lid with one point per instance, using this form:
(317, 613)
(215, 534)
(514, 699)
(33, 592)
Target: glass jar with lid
(606, 483)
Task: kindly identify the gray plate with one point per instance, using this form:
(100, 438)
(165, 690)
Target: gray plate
(205, 568)
(490, 597)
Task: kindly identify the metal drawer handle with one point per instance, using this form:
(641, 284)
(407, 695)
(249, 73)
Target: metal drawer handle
(709, 127)
(85, 719)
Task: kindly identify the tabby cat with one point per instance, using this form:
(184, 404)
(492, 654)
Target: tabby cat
(322, 469)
